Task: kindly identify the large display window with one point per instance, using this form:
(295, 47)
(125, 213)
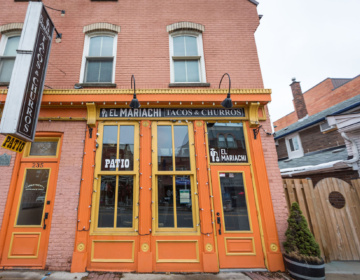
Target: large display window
(116, 178)
(174, 179)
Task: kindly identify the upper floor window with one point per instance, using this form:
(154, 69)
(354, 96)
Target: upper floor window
(99, 56)
(8, 47)
(186, 53)
(99, 59)
(293, 146)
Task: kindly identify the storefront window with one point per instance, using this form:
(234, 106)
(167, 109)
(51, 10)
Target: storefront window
(227, 143)
(118, 148)
(175, 186)
(116, 176)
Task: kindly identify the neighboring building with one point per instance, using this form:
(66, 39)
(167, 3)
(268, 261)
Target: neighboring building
(312, 147)
(179, 185)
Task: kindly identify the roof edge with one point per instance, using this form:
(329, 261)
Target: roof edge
(317, 121)
(254, 2)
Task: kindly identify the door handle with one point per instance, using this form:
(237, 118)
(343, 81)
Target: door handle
(218, 220)
(46, 216)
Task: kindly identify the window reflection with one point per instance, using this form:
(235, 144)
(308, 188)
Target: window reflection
(165, 201)
(183, 202)
(182, 155)
(126, 147)
(226, 143)
(33, 197)
(234, 202)
(164, 146)
(125, 202)
(107, 201)
(109, 148)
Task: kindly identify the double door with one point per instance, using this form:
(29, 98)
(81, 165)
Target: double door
(163, 173)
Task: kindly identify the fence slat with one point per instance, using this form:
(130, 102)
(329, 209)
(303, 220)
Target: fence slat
(314, 220)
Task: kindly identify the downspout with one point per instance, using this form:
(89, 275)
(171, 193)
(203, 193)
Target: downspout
(296, 170)
(353, 148)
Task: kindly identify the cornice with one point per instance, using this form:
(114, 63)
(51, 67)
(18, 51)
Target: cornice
(153, 91)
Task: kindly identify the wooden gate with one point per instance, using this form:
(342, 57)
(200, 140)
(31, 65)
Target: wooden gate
(332, 210)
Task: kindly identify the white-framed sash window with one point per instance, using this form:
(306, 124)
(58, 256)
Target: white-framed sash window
(99, 58)
(8, 46)
(187, 63)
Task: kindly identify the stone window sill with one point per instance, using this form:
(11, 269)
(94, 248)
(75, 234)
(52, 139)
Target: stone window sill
(84, 85)
(189, 85)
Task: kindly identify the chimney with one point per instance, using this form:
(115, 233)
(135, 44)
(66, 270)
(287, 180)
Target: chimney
(299, 102)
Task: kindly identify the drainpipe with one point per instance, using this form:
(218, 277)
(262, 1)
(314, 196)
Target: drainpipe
(353, 148)
(292, 171)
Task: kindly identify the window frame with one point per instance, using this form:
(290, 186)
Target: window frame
(296, 153)
(85, 55)
(3, 43)
(246, 143)
(42, 139)
(199, 57)
(95, 229)
(195, 230)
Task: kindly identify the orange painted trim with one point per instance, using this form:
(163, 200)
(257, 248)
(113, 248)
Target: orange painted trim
(262, 188)
(81, 246)
(9, 203)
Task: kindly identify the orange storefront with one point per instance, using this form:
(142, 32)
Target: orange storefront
(177, 186)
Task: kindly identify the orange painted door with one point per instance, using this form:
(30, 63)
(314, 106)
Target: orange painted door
(236, 223)
(30, 219)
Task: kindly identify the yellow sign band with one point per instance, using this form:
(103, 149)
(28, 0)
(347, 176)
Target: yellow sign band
(13, 144)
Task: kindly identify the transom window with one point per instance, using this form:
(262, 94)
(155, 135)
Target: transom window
(99, 58)
(174, 178)
(227, 143)
(8, 49)
(117, 177)
(43, 147)
(187, 59)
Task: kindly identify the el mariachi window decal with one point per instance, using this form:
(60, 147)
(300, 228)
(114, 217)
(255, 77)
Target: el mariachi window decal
(227, 143)
(166, 113)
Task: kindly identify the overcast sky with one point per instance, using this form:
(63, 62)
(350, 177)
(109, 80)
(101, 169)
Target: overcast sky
(307, 39)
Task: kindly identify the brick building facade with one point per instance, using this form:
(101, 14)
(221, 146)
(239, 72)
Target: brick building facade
(101, 185)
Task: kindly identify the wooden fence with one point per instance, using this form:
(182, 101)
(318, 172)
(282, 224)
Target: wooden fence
(332, 209)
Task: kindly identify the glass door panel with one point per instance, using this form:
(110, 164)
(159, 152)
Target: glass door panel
(33, 197)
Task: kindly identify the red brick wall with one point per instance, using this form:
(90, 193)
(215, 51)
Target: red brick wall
(285, 121)
(5, 177)
(313, 139)
(322, 97)
(275, 180)
(299, 102)
(143, 43)
(62, 234)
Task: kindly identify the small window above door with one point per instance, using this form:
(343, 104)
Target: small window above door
(227, 143)
(43, 147)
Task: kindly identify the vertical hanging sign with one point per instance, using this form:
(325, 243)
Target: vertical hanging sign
(27, 81)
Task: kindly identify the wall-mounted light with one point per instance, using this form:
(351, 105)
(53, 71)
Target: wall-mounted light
(227, 103)
(134, 104)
